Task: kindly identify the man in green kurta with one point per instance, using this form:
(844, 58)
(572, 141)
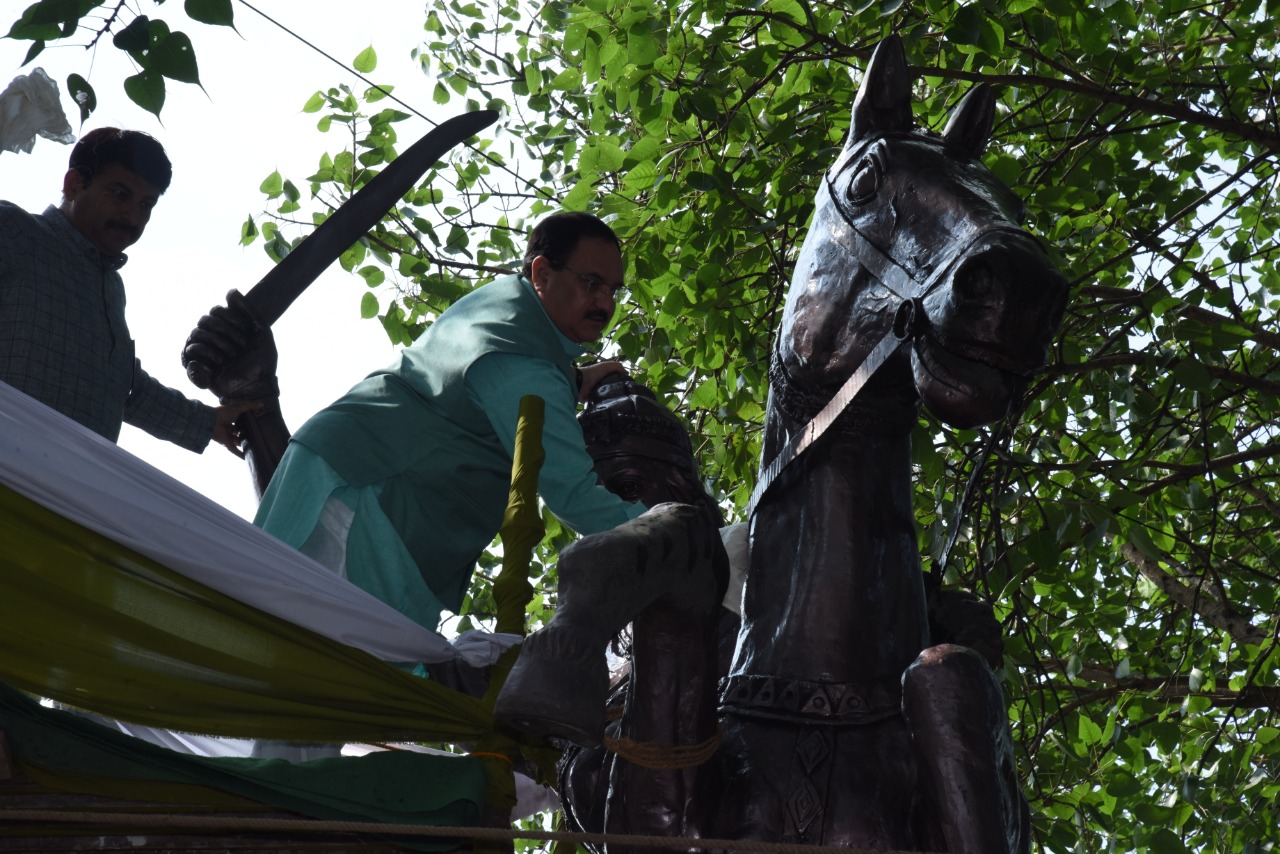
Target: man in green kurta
(402, 483)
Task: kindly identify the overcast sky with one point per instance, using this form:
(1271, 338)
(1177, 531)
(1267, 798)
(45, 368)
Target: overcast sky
(223, 144)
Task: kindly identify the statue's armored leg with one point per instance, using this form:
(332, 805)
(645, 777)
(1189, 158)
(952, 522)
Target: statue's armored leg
(956, 714)
(558, 685)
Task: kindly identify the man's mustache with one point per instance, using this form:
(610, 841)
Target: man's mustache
(121, 225)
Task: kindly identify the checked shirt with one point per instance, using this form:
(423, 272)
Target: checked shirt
(63, 338)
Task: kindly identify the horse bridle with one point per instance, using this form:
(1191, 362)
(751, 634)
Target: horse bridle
(910, 320)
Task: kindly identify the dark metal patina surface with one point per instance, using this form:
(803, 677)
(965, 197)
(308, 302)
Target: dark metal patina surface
(856, 710)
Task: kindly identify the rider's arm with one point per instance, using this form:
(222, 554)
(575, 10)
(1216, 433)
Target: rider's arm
(567, 482)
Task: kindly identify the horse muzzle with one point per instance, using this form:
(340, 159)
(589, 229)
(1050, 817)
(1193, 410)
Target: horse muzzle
(987, 328)
(1001, 305)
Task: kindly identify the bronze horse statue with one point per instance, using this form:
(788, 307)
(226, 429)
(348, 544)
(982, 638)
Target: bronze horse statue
(843, 719)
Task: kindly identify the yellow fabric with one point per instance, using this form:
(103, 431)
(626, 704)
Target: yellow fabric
(95, 625)
(522, 527)
(92, 624)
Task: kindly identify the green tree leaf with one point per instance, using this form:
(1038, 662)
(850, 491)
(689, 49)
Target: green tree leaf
(174, 57)
(134, 37)
(248, 232)
(272, 185)
(146, 89)
(82, 93)
(37, 47)
(366, 61)
(966, 26)
(217, 12)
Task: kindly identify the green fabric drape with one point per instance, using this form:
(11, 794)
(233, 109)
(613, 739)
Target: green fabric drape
(95, 625)
(71, 754)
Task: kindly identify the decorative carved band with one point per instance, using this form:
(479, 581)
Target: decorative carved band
(812, 702)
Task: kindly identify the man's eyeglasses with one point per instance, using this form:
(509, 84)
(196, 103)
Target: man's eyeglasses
(594, 285)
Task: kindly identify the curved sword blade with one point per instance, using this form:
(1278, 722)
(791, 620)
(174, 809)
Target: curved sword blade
(277, 290)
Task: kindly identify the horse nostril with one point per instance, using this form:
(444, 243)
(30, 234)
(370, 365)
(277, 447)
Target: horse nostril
(976, 281)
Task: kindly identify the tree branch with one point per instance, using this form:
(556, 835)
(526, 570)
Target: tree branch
(1179, 112)
(1169, 689)
(1182, 471)
(1246, 380)
(1198, 599)
(1211, 318)
(432, 259)
(1110, 295)
(1139, 359)
(1264, 500)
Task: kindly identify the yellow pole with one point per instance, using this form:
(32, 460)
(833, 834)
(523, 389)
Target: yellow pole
(522, 530)
(522, 527)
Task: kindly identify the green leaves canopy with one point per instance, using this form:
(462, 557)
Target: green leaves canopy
(158, 52)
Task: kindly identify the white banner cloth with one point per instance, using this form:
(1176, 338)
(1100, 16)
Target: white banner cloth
(82, 477)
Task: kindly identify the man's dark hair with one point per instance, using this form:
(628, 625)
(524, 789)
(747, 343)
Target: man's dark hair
(556, 236)
(136, 151)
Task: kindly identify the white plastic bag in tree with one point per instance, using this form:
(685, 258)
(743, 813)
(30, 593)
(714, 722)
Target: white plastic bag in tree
(31, 106)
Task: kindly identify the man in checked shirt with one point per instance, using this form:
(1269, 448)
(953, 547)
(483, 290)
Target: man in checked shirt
(63, 338)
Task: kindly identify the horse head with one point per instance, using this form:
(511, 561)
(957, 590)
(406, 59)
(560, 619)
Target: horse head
(639, 449)
(913, 235)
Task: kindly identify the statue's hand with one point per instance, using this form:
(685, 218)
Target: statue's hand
(960, 617)
(592, 375)
(232, 353)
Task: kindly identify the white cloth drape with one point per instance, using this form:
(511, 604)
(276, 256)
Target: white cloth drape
(29, 107)
(84, 478)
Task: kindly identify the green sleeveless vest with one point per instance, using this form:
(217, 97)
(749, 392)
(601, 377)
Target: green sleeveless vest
(411, 432)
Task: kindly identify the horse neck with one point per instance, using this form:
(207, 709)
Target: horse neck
(834, 591)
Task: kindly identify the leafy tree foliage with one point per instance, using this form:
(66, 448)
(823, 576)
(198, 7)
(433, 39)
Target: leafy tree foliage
(157, 51)
(1122, 520)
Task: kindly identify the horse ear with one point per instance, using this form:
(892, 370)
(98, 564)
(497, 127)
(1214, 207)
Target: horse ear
(883, 104)
(970, 125)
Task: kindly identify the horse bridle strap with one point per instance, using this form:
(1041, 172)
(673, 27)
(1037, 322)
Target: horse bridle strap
(909, 322)
(803, 440)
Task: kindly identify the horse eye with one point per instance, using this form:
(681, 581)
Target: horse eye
(864, 183)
